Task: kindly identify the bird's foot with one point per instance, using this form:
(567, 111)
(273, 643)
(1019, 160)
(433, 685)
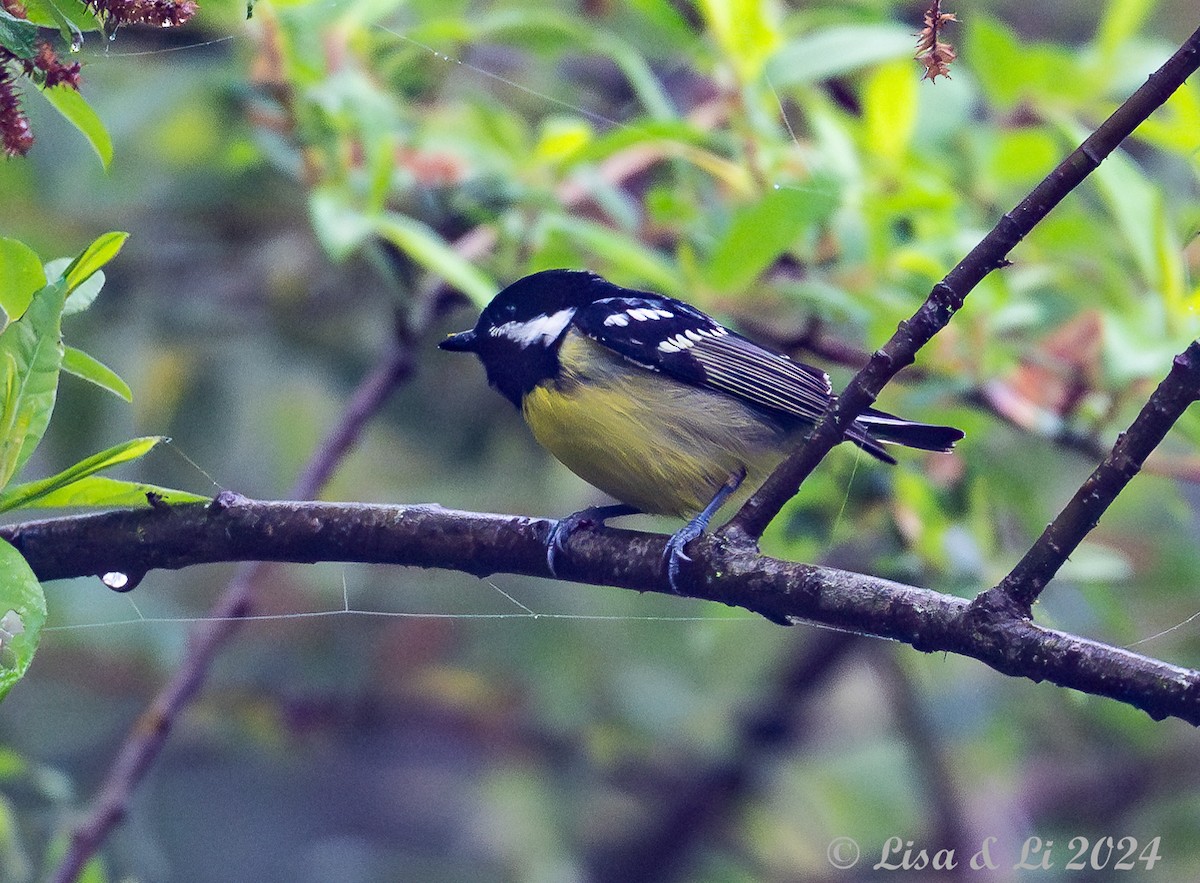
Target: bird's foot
(674, 555)
(560, 534)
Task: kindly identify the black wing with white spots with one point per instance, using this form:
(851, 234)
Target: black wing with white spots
(663, 334)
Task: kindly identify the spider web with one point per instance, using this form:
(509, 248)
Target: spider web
(125, 610)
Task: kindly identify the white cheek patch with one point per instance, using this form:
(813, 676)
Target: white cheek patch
(542, 329)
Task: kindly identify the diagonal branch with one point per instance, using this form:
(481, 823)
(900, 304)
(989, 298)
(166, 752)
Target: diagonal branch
(696, 800)
(149, 734)
(236, 529)
(948, 295)
(990, 398)
(1177, 391)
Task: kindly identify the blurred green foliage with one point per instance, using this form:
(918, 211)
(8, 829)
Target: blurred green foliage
(34, 298)
(291, 184)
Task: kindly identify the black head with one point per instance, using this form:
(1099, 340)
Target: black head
(518, 333)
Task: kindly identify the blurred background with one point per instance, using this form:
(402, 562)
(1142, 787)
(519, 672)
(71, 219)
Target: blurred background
(308, 185)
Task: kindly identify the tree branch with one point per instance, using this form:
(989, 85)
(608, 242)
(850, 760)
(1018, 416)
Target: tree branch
(948, 295)
(1179, 389)
(236, 529)
(988, 398)
(150, 734)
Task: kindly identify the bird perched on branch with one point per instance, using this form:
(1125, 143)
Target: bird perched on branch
(655, 402)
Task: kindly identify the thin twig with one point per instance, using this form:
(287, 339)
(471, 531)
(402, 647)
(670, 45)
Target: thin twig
(149, 733)
(1179, 389)
(695, 803)
(948, 827)
(948, 295)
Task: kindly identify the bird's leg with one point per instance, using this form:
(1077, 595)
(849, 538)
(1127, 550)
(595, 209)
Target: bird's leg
(560, 534)
(674, 553)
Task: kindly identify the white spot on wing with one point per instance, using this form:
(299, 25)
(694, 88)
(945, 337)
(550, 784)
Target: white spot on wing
(540, 330)
(617, 319)
(644, 313)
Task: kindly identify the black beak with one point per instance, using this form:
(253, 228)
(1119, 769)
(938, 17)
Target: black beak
(463, 342)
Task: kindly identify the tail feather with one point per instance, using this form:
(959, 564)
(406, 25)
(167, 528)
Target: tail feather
(874, 428)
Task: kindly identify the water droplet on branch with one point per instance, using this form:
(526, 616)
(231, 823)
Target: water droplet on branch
(121, 582)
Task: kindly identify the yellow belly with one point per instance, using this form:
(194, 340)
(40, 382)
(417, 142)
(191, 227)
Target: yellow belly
(648, 441)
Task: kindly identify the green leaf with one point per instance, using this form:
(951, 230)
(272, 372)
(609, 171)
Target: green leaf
(670, 28)
(528, 25)
(75, 109)
(340, 227)
(1122, 20)
(747, 32)
(31, 352)
(836, 51)
(18, 35)
(428, 249)
(1175, 124)
(620, 251)
(639, 73)
(70, 16)
(889, 101)
(1134, 202)
(760, 233)
(1023, 156)
(672, 139)
(999, 52)
(1013, 69)
(94, 371)
(98, 490)
(21, 274)
(22, 615)
(29, 492)
(102, 250)
(85, 294)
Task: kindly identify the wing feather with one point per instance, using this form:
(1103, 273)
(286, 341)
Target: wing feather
(663, 334)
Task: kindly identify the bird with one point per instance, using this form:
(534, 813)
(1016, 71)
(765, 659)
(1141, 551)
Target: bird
(655, 402)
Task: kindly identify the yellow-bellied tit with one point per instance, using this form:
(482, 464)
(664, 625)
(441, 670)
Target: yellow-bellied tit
(653, 401)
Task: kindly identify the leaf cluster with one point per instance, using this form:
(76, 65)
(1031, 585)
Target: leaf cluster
(35, 297)
(25, 53)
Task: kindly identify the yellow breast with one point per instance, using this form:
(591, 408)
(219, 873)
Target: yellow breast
(649, 441)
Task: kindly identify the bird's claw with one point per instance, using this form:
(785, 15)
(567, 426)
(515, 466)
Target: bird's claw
(560, 534)
(674, 554)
